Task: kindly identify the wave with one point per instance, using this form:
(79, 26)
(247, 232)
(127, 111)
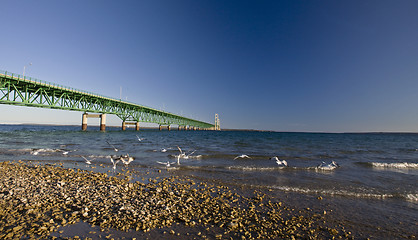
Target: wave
(403, 165)
(249, 168)
(410, 197)
(278, 168)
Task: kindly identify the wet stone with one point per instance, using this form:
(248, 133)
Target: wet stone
(36, 200)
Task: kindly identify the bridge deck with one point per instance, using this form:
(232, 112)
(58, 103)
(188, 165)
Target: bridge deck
(16, 89)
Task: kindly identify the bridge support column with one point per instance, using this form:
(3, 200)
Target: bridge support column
(169, 128)
(123, 126)
(179, 128)
(102, 122)
(160, 127)
(137, 126)
(84, 122)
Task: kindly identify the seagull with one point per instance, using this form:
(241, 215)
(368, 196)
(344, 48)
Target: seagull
(112, 146)
(37, 151)
(323, 166)
(241, 156)
(114, 163)
(88, 161)
(140, 139)
(178, 159)
(167, 164)
(64, 152)
(129, 159)
(163, 150)
(279, 162)
(182, 154)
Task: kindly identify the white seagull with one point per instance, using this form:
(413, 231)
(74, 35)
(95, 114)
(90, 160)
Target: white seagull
(88, 161)
(182, 154)
(241, 156)
(140, 139)
(64, 152)
(128, 160)
(114, 163)
(331, 166)
(112, 146)
(163, 150)
(167, 164)
(279, 162)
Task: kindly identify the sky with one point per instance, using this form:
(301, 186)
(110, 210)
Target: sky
(316, 66)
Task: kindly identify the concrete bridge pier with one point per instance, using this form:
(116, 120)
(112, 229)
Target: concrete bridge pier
(161, 127)
(84, 122)
(124, 124)
(102, 121)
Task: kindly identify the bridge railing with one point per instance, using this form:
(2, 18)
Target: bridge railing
(46, 83)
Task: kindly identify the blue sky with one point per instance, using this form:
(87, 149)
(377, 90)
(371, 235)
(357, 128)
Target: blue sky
(332, 66)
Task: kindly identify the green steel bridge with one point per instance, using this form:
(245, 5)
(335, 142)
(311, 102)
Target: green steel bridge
(21, 90)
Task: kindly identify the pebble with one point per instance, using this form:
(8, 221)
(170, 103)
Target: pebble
(35, 200)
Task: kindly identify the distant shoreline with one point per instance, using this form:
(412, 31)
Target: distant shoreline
(224, 130)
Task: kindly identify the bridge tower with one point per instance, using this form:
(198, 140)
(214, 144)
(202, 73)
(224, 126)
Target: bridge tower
(217, 123)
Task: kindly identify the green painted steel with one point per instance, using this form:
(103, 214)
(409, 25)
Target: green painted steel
(16, 89)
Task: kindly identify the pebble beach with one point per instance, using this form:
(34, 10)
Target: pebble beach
(41, 201)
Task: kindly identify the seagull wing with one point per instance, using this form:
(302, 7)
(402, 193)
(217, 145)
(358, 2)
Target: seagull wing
(112, 146)
(192, 152)
(180, 149)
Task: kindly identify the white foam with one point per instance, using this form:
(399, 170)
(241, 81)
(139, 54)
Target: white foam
(247, 168)
(334, 192)
(412, 197)
(403, 165)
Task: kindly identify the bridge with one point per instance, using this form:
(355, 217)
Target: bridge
(21, 90)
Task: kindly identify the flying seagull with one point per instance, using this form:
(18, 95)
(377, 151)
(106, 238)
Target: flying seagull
(112, 146)
(241, 156)
(167, 164)
(126, 159)
(114, 162)
(279, 162)
(88, 161)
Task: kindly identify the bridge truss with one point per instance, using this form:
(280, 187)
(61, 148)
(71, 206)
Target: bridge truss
(26, 91)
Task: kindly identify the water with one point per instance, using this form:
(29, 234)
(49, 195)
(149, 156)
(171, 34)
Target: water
(377, 180)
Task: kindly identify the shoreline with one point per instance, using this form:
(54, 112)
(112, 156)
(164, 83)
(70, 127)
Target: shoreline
(47, 201)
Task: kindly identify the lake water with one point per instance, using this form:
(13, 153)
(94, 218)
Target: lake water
(374, 189)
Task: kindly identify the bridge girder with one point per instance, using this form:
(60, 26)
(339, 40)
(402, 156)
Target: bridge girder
(15, 90)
